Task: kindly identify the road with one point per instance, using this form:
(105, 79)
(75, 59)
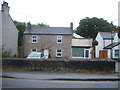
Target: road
(28, 79)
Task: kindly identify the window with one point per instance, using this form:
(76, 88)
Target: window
(58, 53)
(86, 53)
(33, 50)
(117, 53)
(34, 39)
(77, 52)
(59, 39)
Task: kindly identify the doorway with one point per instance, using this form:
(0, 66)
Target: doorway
(46, 53)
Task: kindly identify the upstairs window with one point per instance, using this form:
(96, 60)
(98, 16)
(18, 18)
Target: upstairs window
(58, 53)
(59, 39)
(34, 39)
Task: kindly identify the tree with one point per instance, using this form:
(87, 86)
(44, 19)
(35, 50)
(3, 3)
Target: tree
(89, 27)
(41, 25)
(21, 26)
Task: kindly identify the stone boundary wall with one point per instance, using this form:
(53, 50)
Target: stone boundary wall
(58, 64)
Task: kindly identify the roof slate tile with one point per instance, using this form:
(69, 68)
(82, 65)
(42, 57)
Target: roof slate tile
(49, 30)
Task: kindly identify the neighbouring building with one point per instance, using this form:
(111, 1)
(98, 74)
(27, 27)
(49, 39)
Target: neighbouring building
(112, 45)
(108, 45)
(8, 31)
(56, 42)
(81, 47)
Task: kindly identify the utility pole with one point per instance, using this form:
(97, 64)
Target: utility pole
(112, 38)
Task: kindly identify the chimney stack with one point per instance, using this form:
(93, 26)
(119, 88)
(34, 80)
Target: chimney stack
(5, 8)
(71, 25)
(28, 25)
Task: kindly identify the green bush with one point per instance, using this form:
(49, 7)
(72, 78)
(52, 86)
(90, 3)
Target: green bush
(4, 54)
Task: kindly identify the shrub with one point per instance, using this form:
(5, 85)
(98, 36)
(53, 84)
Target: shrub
(4, 54)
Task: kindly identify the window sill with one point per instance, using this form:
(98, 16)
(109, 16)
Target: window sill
(34, 42)
(59, 43)
(58, 56)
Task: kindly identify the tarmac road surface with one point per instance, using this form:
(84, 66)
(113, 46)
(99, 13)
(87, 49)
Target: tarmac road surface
(32, 79)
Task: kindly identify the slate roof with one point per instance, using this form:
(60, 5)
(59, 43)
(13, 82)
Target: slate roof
(49, 30)
(110, 46)
(106, 35)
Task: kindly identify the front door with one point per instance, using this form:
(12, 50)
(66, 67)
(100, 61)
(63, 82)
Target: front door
(46, 53)
(103, 54)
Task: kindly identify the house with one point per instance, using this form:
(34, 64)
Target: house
(108, 45)
(56, 42)
(115, 47)
(8, 31)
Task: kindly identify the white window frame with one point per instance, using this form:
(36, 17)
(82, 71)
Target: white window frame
(59, 38)
(34, 51)
(58, 53)
(85, 53)
(115, 53)
(34, 38)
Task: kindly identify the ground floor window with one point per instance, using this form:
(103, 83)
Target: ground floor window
(34, 50)
(58, 53)
(117, 53)
(79, 52)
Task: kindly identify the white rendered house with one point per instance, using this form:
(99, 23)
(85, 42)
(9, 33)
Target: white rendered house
(8, 31)
(108, 41)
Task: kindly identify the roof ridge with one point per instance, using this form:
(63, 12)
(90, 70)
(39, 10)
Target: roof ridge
(40, 26)
(49, 27)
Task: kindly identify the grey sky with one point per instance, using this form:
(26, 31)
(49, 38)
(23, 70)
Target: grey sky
(59, 13)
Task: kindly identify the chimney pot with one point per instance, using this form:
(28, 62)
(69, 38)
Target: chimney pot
(5, 8)
(29, 25)
(5, 3)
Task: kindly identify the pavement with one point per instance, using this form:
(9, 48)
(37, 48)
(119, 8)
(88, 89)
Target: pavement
(36, 75)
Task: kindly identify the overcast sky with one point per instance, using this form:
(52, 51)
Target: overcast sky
(59, 13)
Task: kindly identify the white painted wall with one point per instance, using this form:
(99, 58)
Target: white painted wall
(100, 45)
(107, 42)
(9, 32)
(116, 39)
